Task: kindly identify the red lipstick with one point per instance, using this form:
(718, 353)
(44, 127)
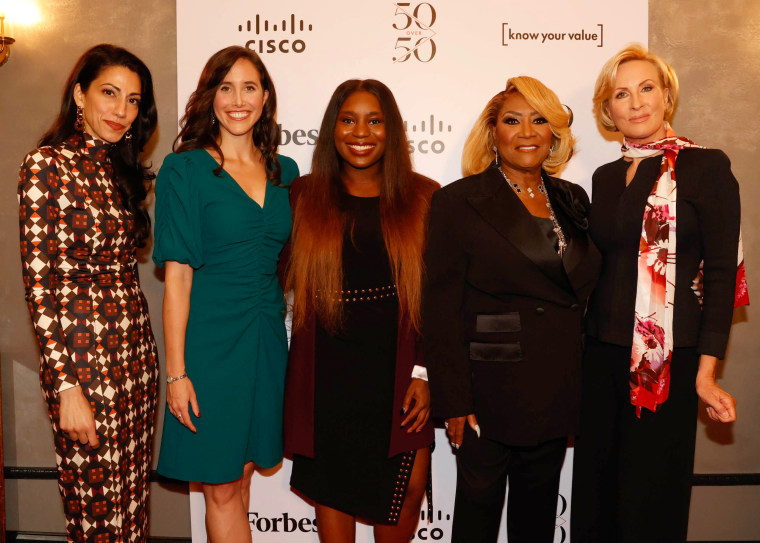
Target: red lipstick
(115, 126)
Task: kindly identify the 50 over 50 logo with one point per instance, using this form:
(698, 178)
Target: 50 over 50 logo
(414, 24)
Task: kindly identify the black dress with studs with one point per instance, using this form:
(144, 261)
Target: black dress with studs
(354, 385)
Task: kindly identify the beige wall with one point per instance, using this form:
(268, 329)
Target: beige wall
(714, 47)
(31, 84)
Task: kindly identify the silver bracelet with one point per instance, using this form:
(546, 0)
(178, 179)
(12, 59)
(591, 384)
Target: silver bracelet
(170, 380)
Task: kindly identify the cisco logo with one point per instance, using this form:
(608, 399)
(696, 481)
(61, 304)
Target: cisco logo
(427, 529)
(278, 44)
(422, 135)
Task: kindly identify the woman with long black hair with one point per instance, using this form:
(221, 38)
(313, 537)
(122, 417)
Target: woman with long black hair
(357, 402)
(82, 220)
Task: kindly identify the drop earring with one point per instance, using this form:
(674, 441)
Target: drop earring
(79, 123)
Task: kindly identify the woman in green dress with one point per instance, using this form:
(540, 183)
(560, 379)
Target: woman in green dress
(222, 218)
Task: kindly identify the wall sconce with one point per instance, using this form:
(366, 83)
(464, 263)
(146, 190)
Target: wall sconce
(5, 42)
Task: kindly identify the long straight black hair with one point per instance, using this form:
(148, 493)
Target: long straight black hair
(131, 176)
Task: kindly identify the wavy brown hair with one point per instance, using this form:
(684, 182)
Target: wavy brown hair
(315, 271)
(198, 127)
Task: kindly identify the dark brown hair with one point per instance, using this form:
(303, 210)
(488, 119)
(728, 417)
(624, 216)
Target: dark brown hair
(198, 127)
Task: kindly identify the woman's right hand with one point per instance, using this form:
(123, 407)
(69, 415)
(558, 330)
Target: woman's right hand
(455, 428)
(76, 418)
(180, 394)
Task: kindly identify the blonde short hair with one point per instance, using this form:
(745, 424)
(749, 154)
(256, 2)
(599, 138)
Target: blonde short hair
(605, 83)
(479, 148)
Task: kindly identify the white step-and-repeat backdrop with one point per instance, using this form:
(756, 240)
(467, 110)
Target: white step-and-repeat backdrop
(443, 59)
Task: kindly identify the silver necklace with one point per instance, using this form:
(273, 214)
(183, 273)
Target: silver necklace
(561, 241)
(529, 190)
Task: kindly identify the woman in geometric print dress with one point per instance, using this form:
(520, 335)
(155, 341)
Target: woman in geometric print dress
(82, 220)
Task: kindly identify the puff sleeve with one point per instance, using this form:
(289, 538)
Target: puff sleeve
(289, 170)
(178, 214)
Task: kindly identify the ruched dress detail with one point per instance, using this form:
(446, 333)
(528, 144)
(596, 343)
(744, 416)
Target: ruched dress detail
(235, 344)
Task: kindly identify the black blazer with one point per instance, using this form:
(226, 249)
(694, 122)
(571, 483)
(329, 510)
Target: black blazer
(707, 230)
(502, 313)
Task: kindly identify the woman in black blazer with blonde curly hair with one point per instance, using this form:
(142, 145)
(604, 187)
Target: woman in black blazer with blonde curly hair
(510, 266)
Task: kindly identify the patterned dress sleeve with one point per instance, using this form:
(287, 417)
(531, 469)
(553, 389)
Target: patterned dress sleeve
(178, 214)
(39, 214)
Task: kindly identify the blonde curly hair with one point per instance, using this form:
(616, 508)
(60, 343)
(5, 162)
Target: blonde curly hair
(479, 148)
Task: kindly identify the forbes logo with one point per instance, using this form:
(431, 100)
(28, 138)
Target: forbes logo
(278, 44)
(284, 523)
(298, 136)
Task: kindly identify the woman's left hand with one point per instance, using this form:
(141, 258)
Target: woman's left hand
(419, 393)
(721, 406)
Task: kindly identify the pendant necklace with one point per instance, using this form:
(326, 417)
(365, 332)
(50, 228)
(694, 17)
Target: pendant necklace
(561, 241)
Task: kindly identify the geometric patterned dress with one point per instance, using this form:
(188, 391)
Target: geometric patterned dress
(91, 320)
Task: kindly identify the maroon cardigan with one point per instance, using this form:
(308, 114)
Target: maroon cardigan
(299, 382)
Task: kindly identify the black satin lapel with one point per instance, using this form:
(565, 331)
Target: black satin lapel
(502, 209)
(581, 259)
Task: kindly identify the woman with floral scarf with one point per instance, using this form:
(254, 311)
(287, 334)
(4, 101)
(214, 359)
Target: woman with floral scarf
(665, 210)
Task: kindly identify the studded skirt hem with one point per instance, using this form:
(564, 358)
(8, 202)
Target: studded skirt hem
(377, 496)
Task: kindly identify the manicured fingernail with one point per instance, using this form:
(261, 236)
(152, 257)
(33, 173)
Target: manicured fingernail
(403, 410)
(477, 429)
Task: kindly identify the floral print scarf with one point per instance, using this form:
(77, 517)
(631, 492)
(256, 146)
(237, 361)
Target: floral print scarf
(655, 292)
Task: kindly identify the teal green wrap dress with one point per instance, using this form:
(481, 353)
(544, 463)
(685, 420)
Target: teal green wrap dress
(235, 346)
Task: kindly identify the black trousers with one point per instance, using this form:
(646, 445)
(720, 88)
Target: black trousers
(483, 467)
(631, 476)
